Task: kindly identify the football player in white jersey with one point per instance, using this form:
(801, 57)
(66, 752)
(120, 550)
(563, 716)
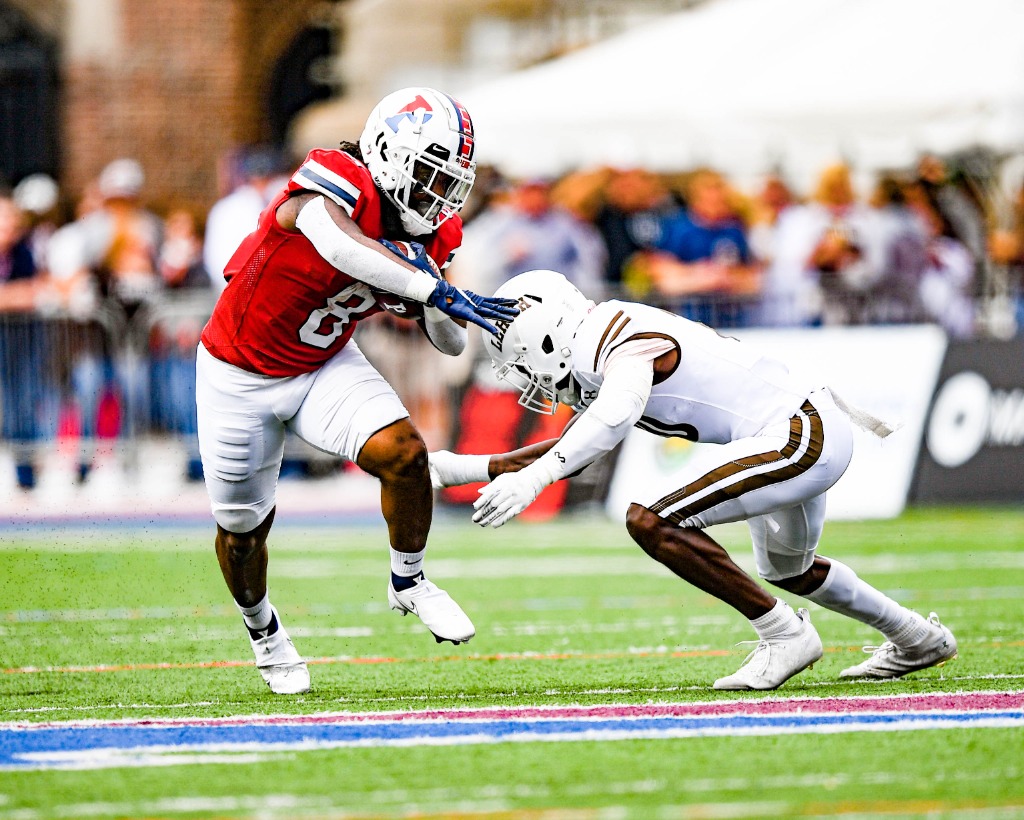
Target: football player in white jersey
(783, 444)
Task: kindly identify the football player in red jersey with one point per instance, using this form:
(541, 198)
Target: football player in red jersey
(277, 353)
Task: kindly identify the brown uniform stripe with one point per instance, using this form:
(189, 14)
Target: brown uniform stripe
(733, 467)
(744, 485)
(604, 336)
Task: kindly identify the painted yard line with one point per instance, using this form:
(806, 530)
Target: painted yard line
(633, 652)
(66, 747)
(345, 659)
(485, 808)
(338, 559)
(456, 805)
(949, 702)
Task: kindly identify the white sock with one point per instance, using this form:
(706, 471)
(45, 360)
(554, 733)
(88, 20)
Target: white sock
(259, 616)
(844, 592)
(407, 564)
(779, 622)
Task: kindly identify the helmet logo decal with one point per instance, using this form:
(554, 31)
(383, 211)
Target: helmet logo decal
(497, 340)
(408, 111)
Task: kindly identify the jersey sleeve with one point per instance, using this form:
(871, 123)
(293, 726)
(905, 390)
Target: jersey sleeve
(337, 176)
(642, 348)
(443, 244)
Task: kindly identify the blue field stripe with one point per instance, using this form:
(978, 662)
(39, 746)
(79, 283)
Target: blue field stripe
(84, 746)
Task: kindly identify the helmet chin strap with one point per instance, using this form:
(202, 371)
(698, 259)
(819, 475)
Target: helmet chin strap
(411, 226)
(569, 395)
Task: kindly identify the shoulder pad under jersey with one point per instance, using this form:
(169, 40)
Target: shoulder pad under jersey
(336, 175)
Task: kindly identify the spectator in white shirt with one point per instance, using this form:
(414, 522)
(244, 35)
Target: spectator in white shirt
(234, 216)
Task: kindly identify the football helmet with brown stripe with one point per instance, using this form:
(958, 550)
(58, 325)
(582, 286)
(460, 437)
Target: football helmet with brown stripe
(533, 352)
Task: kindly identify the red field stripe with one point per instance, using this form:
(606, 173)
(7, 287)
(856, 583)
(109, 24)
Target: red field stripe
(956, 702)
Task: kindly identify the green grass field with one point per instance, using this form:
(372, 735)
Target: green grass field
(122, 623)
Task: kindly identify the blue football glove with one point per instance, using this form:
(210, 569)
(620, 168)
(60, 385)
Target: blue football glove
(421, 260)
(471, 307)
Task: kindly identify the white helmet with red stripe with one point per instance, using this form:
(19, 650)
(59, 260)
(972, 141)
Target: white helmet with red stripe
(419, 144)
(533, 352)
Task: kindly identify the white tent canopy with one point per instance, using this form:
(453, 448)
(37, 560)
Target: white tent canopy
(748, 85)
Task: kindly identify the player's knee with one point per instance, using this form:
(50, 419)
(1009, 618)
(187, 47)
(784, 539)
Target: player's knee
(798, 584)
(241, 547)
(396, 454)
(407, 462)
(642, 526)
(235, 520)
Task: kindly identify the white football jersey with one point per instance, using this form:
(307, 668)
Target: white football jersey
(721, 390)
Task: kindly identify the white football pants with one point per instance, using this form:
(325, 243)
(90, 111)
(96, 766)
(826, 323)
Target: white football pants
(243, 418)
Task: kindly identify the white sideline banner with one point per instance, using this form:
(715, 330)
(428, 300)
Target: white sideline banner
(891, 372)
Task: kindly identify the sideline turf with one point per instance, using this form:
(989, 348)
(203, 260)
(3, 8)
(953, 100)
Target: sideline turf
(566, 613)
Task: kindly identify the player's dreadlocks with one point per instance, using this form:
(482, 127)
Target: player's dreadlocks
(389, 213)
(352, 149)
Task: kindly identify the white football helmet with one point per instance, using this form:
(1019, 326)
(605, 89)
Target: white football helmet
(418, 144)
(533, 352)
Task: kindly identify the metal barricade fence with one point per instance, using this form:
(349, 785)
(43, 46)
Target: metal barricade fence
(53, 374)
(97, 387)
(162, 337)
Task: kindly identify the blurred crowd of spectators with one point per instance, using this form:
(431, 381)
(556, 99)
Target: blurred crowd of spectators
(78, 280)
(912, 249)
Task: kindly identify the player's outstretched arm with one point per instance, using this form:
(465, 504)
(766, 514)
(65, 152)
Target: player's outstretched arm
(448, 469)
(596, 431)
(340, 241)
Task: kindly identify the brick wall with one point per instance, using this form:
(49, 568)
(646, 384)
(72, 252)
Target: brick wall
(167, 98)
(181, 89)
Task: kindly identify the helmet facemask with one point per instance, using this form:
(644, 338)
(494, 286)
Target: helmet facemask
(540, 366)
(430, 189)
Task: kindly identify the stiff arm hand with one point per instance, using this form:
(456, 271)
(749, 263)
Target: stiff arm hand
(471, 307)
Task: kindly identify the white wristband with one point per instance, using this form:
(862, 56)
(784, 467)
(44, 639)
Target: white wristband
(450, 469)
(420, 287)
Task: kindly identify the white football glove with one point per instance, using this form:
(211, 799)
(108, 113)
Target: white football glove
(449, 469)
(508, 495)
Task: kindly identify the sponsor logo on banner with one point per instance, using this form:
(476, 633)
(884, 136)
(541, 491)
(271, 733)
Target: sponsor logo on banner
(974, 439)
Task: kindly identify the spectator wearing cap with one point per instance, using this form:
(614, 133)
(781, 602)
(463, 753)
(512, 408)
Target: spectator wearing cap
(817, 244)
(636, 202)
(111, 252)
(701, 265)
(38, 196)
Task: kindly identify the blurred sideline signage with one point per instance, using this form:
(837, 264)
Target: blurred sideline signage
(973, 448)
(889, 371)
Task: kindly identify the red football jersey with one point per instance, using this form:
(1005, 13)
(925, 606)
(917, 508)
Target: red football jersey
(286, 310)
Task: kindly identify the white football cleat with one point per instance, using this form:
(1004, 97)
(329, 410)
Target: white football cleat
(775, 661)
(279, 663)
(435, 607)
(889, 661)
